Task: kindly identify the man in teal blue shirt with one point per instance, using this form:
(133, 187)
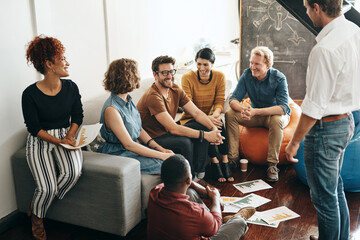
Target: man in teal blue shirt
(268, 91)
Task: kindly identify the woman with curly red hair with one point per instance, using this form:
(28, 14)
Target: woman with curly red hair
(52, 111)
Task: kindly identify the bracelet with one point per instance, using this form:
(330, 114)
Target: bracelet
(148, 142)
(201, 136)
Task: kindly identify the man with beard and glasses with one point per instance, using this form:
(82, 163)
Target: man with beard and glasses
(158, 107)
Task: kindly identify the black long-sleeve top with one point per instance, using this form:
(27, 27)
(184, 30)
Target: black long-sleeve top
(46, 112)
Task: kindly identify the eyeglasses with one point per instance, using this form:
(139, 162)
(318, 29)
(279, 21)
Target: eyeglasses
(166, 72)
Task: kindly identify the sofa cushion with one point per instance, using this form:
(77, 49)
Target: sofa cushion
(148, 182)
(92, 108)
(106, 197)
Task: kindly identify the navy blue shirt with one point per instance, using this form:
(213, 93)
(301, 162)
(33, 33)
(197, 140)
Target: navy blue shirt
(44, 112)
(271, 91)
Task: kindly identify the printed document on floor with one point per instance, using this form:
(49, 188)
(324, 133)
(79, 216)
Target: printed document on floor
(251, 186)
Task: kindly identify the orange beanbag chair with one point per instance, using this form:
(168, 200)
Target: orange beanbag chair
(253, 142)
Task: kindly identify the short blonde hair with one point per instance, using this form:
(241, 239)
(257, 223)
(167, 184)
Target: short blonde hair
(264, 52)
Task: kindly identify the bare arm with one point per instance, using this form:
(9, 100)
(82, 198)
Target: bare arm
(214, 195)
(303, 127)
(199, 189)
(236, 106)
(274, 110)
(168, 122)
(70, 136)
(146, 139)
(48, 138)
(114, 121)
(68, 139)
(198, 115)
(215, 118)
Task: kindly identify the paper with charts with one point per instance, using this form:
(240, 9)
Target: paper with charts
(252, 186)
(256, 219)
(228, 206)
(251, 200)
(277, 215)
(86, 135)
(234, 204)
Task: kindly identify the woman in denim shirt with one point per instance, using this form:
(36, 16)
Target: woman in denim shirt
(122, 124)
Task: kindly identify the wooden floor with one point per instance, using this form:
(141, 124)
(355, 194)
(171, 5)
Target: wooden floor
(288, 191)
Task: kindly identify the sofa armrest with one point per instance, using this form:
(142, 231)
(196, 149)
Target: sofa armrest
(107, 197)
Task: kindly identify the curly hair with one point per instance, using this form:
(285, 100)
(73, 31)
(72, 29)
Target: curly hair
(331, 7)
(122, 76)
(161, 60)
(42, 49)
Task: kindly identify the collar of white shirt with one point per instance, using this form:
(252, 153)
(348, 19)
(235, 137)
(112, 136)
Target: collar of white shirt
(331, 25)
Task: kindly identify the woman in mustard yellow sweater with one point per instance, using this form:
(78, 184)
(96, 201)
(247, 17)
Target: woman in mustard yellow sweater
(206, 88)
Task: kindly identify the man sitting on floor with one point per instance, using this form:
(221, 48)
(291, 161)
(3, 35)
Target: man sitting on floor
(172, 214)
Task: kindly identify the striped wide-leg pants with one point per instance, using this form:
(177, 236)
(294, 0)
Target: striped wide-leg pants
(55, 170)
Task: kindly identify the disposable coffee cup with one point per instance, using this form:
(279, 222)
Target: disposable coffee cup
(244, 164)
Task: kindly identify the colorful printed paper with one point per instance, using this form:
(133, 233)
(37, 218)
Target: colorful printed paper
(251, 186)
(256, 219)
(277, 215)
(86, 135)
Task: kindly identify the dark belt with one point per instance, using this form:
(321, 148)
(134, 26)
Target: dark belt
(333, 118)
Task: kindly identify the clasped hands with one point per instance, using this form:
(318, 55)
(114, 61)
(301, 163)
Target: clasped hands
(214, 137)
(247, 113)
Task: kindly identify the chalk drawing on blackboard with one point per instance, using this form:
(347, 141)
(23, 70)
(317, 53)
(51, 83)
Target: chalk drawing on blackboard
(259, 42)
(295, 38)
(278, 15)
(283, 61)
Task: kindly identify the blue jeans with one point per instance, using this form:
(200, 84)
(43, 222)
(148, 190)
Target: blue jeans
(324, 148)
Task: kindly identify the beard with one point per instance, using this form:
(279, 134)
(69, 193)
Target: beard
(163, 83)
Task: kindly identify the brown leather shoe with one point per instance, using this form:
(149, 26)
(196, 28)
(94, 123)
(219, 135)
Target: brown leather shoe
(37, 227)
(313, 237)
(245, 213)
(272, 173)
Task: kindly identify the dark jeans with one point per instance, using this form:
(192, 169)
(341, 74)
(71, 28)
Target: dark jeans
(200, 148)
(178, 144)
(223, 148)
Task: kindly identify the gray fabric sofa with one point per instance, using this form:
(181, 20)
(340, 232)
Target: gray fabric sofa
(110, 196)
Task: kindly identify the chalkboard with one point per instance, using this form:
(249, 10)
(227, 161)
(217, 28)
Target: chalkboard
(267, 23)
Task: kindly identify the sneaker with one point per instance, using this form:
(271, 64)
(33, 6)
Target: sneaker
(200, 175)
(272, 173)
(245, 213)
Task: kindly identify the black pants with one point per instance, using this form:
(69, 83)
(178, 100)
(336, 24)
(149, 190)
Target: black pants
(200, 158)
(223, 148)
(178, 144)
(192, 149)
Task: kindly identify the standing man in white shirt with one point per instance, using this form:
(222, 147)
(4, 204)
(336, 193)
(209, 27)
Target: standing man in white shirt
(332, 85)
